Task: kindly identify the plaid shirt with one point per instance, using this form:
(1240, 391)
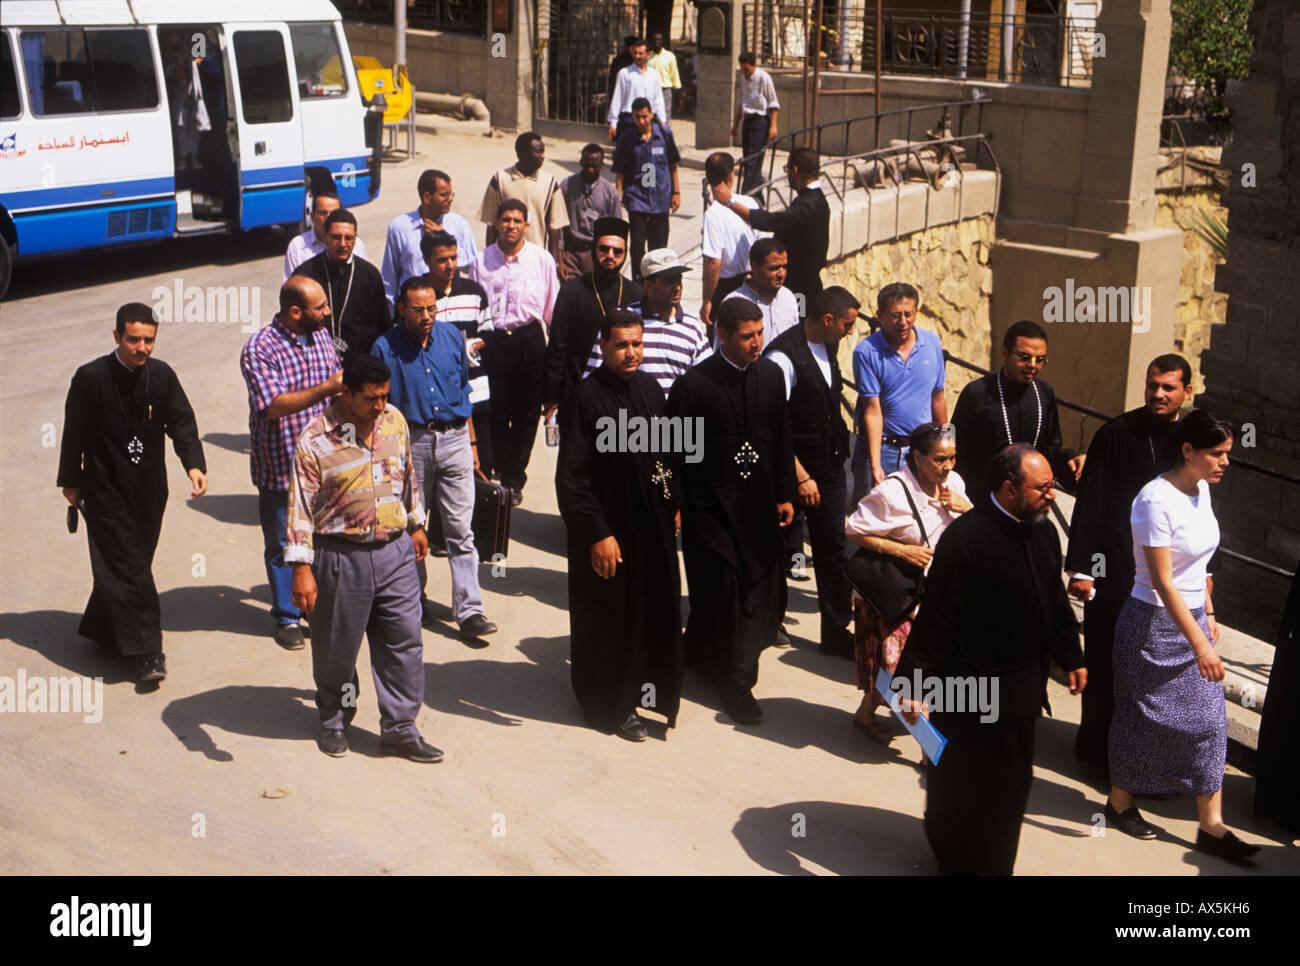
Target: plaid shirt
(342, 489)
(276, 361)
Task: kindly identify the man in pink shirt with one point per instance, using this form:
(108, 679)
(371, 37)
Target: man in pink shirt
(521, 284)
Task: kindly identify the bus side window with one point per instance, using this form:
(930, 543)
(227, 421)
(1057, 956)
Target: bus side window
(10, 105)
(61, 80)
(263, 69)
(124, 69)
(58, 72)
(319, 60)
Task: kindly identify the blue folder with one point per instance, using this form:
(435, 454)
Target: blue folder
(927, 736)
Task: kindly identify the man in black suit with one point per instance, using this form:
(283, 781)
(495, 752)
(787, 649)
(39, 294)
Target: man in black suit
(354, 289)
(804, 227)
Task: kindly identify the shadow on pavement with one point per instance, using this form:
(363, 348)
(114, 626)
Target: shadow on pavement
(229, 508)
(235, 442)
(53, 635)
(228, 610)
(508, 692)
(843, 839)
(541, 531)
(542, 584)
(259, 711)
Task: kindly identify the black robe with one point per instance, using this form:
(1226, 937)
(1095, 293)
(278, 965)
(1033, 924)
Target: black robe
(106, 406)
(981, 431)
(1277, 782)
(731, 537)
(365, 315)
(1126, 454)
(994, 608)
(575, 326)
(804, 229)
(625, 632)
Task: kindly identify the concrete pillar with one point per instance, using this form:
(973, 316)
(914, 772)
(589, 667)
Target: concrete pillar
(715, 83)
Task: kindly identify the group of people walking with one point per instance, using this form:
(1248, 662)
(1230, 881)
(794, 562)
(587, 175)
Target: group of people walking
(379, 396)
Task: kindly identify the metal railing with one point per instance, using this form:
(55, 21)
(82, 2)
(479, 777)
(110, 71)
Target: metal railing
(451, 16)
(1031, 49)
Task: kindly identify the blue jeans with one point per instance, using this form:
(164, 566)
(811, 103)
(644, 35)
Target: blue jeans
(273, 513)
(891, 460)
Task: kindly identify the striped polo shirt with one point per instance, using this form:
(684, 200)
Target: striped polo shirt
(668, 348)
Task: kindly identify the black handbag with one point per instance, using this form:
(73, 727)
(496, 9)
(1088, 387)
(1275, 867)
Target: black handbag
(891, 587)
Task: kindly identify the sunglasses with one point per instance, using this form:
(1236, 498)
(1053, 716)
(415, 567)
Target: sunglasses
(1025, 357)
(610, 250)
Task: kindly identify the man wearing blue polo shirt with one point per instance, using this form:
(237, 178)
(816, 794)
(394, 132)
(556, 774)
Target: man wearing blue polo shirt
(430, 386)
(899, 375)
(645, 167)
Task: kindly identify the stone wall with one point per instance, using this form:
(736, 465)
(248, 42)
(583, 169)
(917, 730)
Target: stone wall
(949, 265)
(1199, 304)
(1252, 368)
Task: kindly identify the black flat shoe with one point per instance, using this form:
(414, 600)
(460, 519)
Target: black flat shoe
(633, 729)
(782, 638)
(415, 750)
(1227, 847)
(740, 706)
(332, 742)
(476, 625)
(150, 668)
(1130, 822)
(290, 637)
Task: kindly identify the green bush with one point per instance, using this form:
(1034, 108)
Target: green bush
(1210, 45)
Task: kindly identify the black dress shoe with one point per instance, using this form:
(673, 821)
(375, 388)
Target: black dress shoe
(1228, 847)
(1130, 822)
(476, 625)
(289, 637)
(782, 638)
(516, 496)
(633, 729)
(151, 667)
(416, 749)
(838, 645)
(740, 705)
(333, 742)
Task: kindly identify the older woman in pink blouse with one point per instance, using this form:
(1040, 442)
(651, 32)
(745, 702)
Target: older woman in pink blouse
(884, 522)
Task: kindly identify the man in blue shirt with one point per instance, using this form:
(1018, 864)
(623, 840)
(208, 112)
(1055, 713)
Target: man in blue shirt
(402, 257)
(645, 166)
(899, 375)
(430, 386)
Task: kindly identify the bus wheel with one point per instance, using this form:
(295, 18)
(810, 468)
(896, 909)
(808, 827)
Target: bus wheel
(6, 266)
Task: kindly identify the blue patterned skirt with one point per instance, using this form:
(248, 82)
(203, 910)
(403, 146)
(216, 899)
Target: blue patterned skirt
(1169, 732)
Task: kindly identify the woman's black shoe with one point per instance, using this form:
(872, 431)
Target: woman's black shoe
(1228, 847)
(1130, 822)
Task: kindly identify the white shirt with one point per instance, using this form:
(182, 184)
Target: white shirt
(631, 84)
(307, 246)
(779, 313)
(1165, 516)
(786, 365)
(885, 512)
(727, 236)
(757, 92)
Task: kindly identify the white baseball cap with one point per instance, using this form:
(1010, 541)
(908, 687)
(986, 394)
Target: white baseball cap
(661, 261)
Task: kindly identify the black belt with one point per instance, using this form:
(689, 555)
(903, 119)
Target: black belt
(443, 425)
(518, 328)
(895, 440)
(574, 244)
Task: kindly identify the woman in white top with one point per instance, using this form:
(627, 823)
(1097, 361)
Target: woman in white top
(884, 523)
(1169, 731)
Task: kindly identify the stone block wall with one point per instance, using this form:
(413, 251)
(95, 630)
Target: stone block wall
(1200, 305)
(1252, 367)
(949, 265)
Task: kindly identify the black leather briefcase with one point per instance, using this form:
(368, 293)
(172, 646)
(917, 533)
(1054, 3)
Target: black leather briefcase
(491, 522)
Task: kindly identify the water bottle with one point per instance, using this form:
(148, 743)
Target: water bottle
(552, 431)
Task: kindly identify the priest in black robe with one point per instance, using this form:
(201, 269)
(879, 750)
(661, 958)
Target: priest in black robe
(1126, 454)
(1011, 405)
(118, 409)
(735, 500)
(994, 612)
(1277, 781)
(619, 506)
(353, 288)
(580, 310)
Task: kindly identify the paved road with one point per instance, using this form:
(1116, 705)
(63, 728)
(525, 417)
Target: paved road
(225, 747)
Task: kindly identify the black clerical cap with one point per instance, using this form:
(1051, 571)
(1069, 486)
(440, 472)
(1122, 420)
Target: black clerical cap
(610, 226)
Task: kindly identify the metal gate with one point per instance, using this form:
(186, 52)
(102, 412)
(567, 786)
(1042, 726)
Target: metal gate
(583, 38)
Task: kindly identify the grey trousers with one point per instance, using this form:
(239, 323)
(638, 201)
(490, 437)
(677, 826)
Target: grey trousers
(369, 589)
(444, 468)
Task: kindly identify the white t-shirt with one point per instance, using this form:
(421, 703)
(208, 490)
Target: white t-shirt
(786, 365)
(779, 313)
(1165, 516)
(727, 237)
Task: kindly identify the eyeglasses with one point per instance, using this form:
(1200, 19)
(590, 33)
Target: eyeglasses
(1045, 488)
(610, 250)
(1025, 357)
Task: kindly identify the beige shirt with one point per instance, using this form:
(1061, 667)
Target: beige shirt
(539, 191)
